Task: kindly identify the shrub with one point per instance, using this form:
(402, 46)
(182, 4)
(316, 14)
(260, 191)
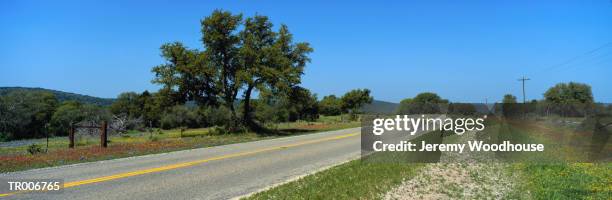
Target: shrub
(34, 149)
(181, 115)
(218, 116)
(270, 111)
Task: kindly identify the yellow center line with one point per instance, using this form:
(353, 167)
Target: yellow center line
(191, 163)
(8, 194)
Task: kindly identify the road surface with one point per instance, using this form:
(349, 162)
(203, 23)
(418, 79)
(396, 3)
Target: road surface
(220, 172)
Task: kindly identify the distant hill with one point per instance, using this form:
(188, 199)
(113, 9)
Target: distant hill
(380, 107)
(62, 96)
(377, 106)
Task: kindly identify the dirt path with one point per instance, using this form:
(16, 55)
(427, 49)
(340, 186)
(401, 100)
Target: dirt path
(467, 175)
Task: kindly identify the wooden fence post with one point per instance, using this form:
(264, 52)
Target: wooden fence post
(71, 136)
(103, 136)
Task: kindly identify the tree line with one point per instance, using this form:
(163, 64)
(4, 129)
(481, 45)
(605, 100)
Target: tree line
(564, 99)
(36, 114)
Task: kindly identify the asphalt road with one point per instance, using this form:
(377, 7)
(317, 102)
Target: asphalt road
(221, 172)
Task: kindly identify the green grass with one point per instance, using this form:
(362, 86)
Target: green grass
(353, 180)
(567, 181)
(561, 178)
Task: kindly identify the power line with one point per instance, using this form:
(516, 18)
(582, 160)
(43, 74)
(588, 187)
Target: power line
(587, 63)
(569, 61)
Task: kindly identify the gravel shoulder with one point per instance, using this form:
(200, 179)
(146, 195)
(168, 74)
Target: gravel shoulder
(467, 175)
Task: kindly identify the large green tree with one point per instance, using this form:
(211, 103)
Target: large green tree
(570, 99)
(239, 56)
(572, 92)
(354, 99)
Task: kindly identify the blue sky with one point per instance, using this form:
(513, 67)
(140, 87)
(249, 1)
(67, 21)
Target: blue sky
(464, 51)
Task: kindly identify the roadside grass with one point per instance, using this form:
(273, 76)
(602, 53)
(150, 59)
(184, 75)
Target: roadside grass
(567, 180)
(136, 143)
(353, 180)
(563, 179)
(365, 178)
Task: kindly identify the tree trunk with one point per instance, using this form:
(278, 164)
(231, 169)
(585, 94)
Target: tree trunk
(233, 123)
(246, 115)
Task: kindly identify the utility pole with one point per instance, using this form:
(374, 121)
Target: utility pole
(523, 80)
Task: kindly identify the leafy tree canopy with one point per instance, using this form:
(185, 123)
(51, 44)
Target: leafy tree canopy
(572, 92)
(423, 103)
(330, 105)
(25, 114)
(354, 99)
(240, 55)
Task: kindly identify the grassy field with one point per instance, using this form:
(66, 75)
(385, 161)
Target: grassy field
(568, 180)
(564, 179)
(141, 143)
